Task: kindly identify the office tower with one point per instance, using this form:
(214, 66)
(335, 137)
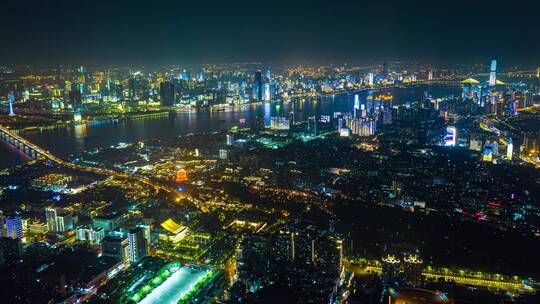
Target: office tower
(64, 222)
(230, 139)
(167, 93)
(266, 89)
(385, 70)
(509, 149)
(75, 96)
(138, 245)
(370, 78)
(258, 86)
(493, 73)
(451, 136)
(14, 227)
(355, 126)
(90, 234)
(312, 125)
(279, 123)
(115, 246)
(387, 116)
(201, 75)
(356, 104)
(430, 75)
(223, 154)
(51, 218)
(184, 75)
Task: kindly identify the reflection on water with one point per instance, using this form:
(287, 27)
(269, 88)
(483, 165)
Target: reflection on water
(75, 139)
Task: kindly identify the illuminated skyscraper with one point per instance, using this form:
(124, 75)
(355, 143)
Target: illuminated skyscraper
(356, 104)
(201, 75)
(451, 136)
(493, 73)
(266, 95)
(230, 139)
(509, 149)
(64, 222)
(370, 78)
(14, 227)
(138, 246)
(51, 218)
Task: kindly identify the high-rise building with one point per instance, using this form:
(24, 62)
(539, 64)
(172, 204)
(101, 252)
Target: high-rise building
(312, 125)
(167, 93)
(201, 75)
(509, 149)
(230, 139)
(223, 154)
(493, 73)
(51, 218)
(64, 222)
(90, 234)
(75, 96)
(258, 86)
(138, 245)
(370, 78)
(14, 227)
(115, 246)
(385, 70)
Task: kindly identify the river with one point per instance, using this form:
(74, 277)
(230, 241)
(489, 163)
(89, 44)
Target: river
(66, 141)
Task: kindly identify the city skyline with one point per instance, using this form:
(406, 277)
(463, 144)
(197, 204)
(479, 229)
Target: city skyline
(242, 152)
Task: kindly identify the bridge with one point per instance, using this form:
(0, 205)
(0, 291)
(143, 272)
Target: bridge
(21, 144)
(36, 152)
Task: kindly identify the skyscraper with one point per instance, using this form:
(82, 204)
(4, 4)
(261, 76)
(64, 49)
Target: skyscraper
(138, 245)
(51, 218)
(258, 86)
(64, 222)
(115, 246)
(493, 73)
(385, 70)
(14, 227)
(167, 93)
(370, 78)
(509, 149)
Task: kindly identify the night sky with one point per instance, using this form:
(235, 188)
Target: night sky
(161, 32)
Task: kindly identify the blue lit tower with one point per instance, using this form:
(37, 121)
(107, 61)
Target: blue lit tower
(14, 228)
(493, 73)
(201, 75)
